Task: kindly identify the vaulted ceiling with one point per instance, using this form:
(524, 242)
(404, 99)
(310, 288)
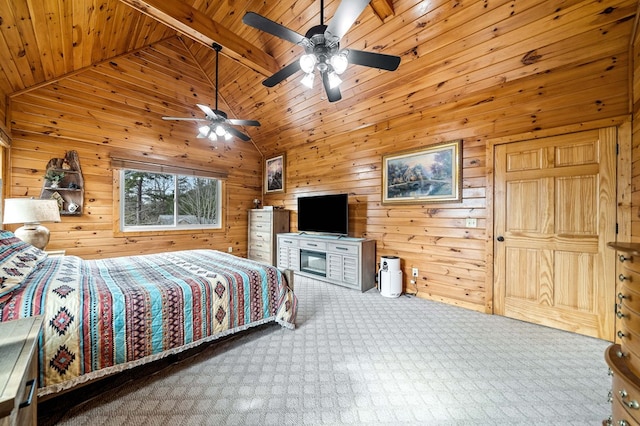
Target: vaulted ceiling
(451, 51)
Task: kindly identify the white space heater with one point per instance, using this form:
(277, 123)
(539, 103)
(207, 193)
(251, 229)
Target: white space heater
(390, 276)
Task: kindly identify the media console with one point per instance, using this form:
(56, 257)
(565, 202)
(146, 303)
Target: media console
(349, 262)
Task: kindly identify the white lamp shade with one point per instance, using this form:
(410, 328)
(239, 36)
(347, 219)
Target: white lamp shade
(30, 210)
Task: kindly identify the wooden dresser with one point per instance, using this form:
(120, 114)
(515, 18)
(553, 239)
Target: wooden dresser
(264, 225)
(19, 371)
(623, 357)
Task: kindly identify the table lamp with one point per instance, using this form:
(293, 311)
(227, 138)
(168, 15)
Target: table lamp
(31, 212)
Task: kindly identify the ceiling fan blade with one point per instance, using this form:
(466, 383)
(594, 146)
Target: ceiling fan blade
(268, 26)
(185, 118)
(237, 133)
(345, 16)
(284, 73)
(373, 60)
(237, 122)
(332, 94)
(208, 111)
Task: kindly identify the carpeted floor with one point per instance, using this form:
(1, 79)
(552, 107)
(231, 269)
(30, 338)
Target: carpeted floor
(362, 359)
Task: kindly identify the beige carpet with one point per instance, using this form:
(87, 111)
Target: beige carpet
(362, 359)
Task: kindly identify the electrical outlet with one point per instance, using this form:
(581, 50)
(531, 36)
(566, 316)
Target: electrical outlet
(230, 249)
(472, 222)
(414, 272)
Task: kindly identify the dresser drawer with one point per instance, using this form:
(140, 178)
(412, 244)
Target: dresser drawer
(629, 298)
(630, 279)
(258, 245)
(620, 414)
(259, 237)
(629, 261)
(260, 255)
(629, 320)
(343, 248)
(630, 344)
(260, 216)
(627, 395)
(260, 226)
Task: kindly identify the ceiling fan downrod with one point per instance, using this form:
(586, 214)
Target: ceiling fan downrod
(217, 48)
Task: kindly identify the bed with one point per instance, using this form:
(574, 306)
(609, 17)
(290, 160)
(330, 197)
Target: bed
(106, 315)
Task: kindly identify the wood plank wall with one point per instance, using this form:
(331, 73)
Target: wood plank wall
(635, 170)
(116, 107)
(453, 260)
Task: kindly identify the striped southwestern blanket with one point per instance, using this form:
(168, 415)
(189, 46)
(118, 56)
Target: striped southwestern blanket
(104, 316)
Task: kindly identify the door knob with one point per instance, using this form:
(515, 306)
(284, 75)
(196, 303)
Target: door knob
(500, 238)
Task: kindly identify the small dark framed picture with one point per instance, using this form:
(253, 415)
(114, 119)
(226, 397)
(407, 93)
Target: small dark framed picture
(274, 174)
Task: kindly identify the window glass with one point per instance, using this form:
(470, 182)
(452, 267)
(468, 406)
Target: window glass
(151, 201)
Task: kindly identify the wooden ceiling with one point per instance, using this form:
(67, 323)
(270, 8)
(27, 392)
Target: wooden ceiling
(451, 51)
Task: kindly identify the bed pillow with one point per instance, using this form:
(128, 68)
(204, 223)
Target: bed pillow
(17, 260)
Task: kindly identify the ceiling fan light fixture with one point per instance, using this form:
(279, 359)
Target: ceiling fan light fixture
(308, 62)
(204, 130)
(227, 136)
(307, 80)
(220, 131)
(334, 80)
(339, 62)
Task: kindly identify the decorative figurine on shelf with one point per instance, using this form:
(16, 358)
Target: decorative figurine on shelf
(54, 177)
(256, 203)
(72, 207)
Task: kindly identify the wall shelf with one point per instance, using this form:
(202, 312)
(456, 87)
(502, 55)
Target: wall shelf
(70, 191)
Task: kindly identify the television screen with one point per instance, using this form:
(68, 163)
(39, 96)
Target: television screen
(327, 214)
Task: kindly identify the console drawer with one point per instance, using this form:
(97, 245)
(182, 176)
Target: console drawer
(317, 245)
(343, 248)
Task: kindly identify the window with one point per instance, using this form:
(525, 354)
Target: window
(163, 201)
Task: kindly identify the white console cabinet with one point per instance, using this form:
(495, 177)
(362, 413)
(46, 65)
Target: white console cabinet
(349, 262)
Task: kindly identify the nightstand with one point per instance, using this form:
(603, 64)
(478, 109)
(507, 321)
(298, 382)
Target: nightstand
(19, 371)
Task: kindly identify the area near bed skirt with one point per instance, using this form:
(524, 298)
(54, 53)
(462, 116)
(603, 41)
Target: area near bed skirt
(104, 314)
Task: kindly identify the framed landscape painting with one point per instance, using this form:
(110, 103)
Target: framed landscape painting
(274, 174)
(428, 175)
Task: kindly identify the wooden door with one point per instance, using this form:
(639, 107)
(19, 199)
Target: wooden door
(555, 211)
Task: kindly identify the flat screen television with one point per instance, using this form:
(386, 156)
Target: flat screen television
(326, 214)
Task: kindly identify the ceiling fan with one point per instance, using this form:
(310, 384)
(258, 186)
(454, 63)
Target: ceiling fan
(322, 48)
(217, 124)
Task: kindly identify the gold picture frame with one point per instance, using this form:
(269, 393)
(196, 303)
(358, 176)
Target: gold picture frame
(274, 174)
(428, 175)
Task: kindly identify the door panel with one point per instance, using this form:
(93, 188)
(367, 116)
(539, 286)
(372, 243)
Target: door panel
(555, 209)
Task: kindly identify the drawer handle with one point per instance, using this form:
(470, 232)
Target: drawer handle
(622, 258)
(620, 354)
(342, 248)
(619, 314)
(621, 277)
(610, 396)
(631, 404)
(620, 334)
(32, 384)
(312, 244)
(621, 296)
(623, 423)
